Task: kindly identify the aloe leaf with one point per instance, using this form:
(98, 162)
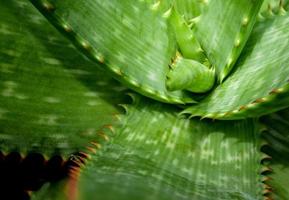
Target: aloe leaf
(130, 37)
(191, 75)
(52, 100)
(223, 29)
(188, 8)
(278, 148)
(259, 85)
(272, 7)
(157, 155)
(279, 182)
(187, 42)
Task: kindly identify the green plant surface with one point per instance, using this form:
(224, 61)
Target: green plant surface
(190, 9)
(190, 75)
(121, 145)
(224, 34)
(132, 41)
(175, 159)
(259, 85)
(279, 182)
(52, 99)
(273, 7)
(187, 42)
(277, 137)
(232, 99)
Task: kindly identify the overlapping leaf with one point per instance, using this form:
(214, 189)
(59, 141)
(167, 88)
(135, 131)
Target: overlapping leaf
(188, 8)
(156, 155)
(272, 7)
(259, 84)
(278, 141)
(130, 37)
(51, 98)
(223, 29)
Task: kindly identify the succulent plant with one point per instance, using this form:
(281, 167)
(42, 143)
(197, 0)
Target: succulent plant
(145, 99)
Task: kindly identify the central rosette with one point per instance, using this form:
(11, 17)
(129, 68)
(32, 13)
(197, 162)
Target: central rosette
(190, 69)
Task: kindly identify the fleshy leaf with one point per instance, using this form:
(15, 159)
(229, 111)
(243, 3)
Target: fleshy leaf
(278, 148)
(272, 7)
(187, 42)
(131, 37)
(190, 9)
(223, 29)
(157, 155)
(52, 100)
(190, 75)
(260, 83)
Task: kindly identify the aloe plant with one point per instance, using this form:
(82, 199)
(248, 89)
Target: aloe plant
(146, 99)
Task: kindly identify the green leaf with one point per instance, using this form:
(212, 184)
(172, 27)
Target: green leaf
(52, 99)
(130, 37)
(223, 29)
(259, 84)
(279, 180)
(188, 8)
(190, 75)
(272, 7)
(278, 148)
(187, 42)
(157, 155)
